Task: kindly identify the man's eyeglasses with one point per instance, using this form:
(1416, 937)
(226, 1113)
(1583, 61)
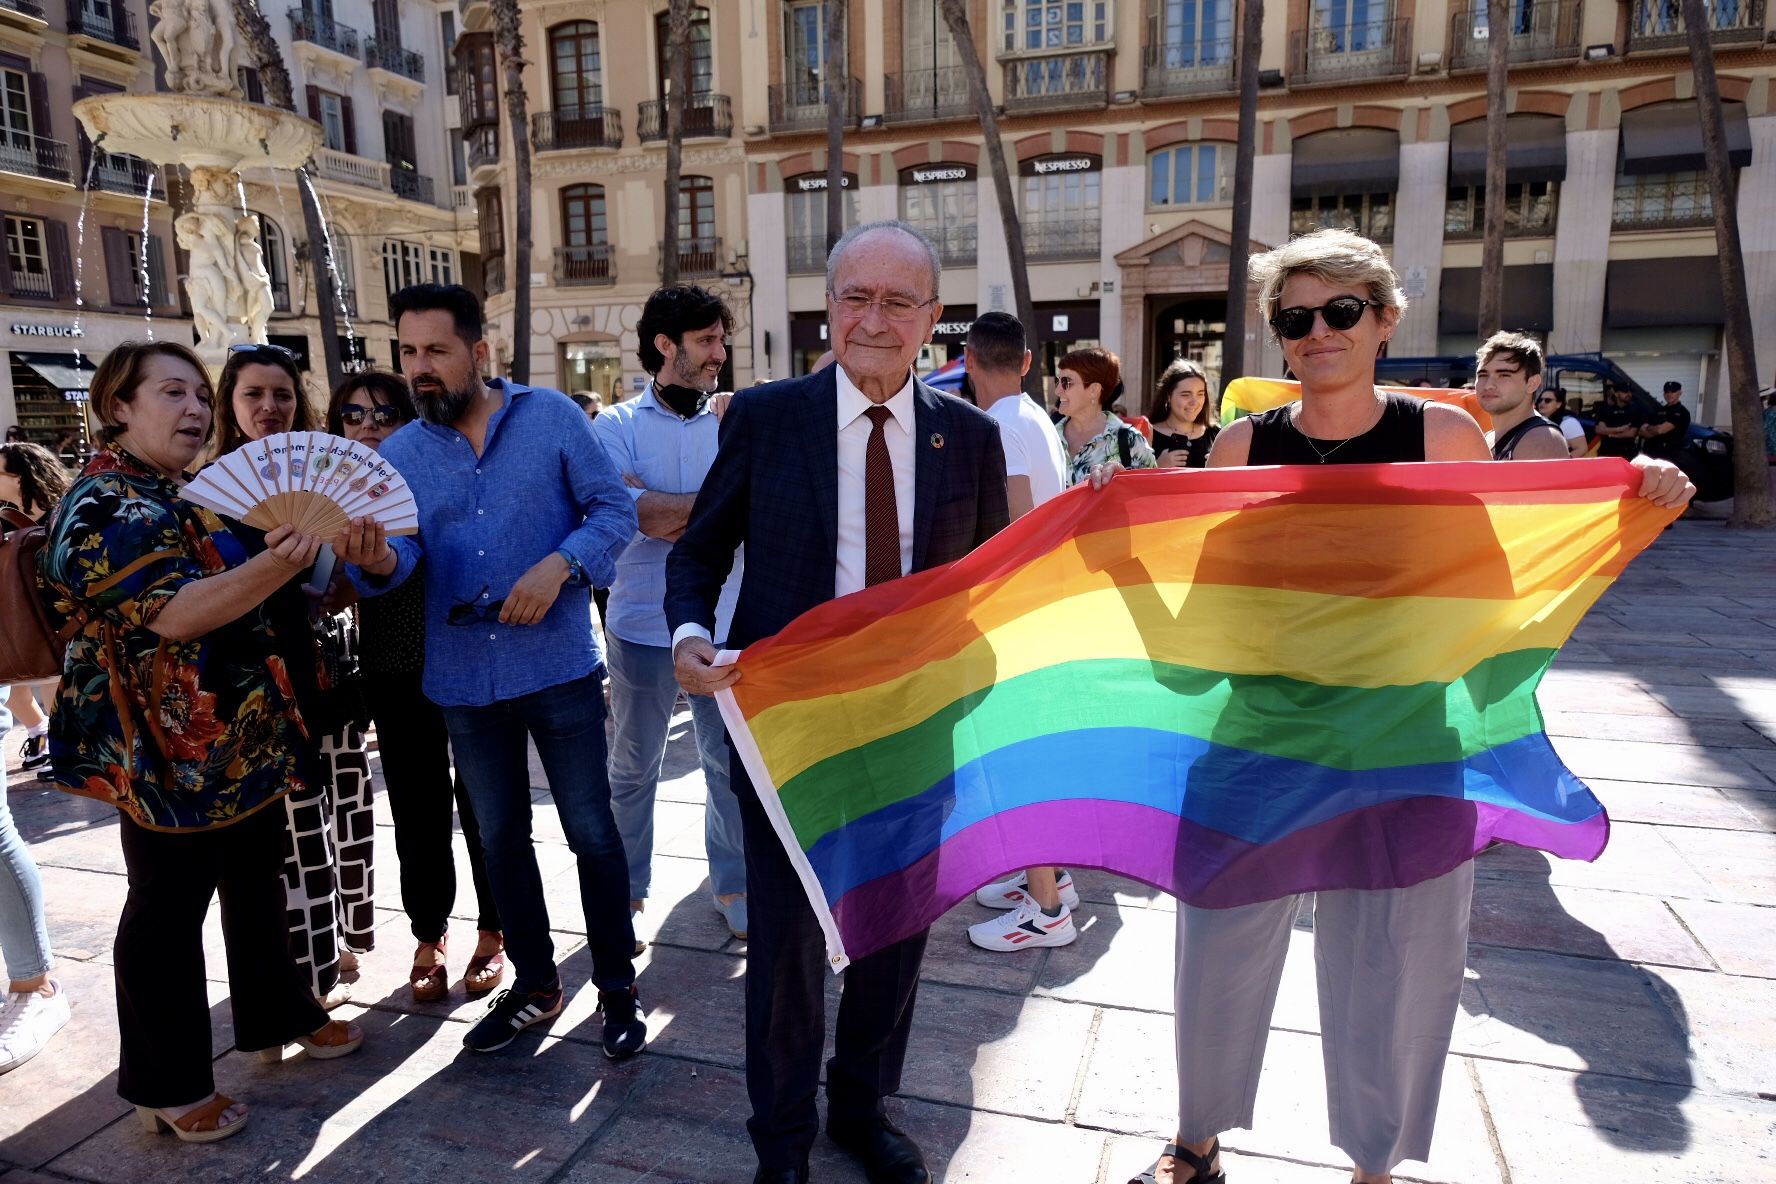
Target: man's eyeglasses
(1292, 324)
(255, 347)
(895, 308)
(382, 416)
(472, 612)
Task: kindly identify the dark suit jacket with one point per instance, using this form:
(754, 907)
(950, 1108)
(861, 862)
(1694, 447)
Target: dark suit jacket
(775, 488)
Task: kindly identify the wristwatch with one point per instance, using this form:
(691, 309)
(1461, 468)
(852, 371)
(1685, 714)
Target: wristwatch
(576, 574)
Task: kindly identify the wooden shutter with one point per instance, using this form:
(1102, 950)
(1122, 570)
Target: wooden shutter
(255, 88)
(61, 262)
(386, 17)
(81, 92)
(41, 126)
(351, 125)
(157, 275)
(5, 259)
(117, 267)
(314, 102)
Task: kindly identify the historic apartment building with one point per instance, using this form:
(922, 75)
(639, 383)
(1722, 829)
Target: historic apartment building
(1119, 118)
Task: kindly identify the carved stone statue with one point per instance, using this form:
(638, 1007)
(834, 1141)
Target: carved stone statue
(207, 285)
(198, 41)
(255, 279)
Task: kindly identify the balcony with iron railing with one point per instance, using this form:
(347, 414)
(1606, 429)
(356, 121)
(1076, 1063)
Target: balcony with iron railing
(113, 172)
(1659, 24)
(916, 95)
(698, 258)
(34, 156)
(575, 128)
(481, 146)
(33, 284)
(1196, 68)
(586, 265)
(957, 245)
(1052, 240)
(800, 106)
(1529, 211)
(706, 115)
(1662, 201)
(1058, 82)
(380, 55)
(807, 254)
(334, 165)
(1541, 31)
(113, 25)
(1350, 52)
(408, 182)
(493, 274)
(25, 8)
(322, 30)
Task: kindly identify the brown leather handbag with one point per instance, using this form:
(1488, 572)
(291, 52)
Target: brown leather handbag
(30, 647)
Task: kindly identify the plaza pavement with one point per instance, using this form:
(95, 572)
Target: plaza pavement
(1618, 1023)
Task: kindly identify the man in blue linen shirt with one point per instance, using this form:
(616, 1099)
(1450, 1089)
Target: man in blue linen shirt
(520, 513)
(663, 443)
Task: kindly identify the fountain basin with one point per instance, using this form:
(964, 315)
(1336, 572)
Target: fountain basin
(199, 131)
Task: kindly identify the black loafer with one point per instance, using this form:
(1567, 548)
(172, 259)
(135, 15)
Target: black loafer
(884, 1151)
(787, 1176)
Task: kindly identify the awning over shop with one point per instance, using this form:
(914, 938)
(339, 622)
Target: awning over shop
(1667, 138)
(1067, 322)
(68, 373)
(1528, 302)
(1535, 150)
(1640, 293)
(1346, 160)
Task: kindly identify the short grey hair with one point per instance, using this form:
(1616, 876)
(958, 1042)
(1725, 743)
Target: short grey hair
(1341, 257)
(857, 232)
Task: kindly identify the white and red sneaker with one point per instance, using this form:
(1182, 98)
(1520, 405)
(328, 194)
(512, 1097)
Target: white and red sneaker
(1027, 928)
(1012, 893)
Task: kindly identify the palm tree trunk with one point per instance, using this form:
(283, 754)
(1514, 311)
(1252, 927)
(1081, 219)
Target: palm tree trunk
(957, 20)
(1751, 475)
(1233, 347)
(274, 78)
(1492, 233)
(678, 58)
(836, 74)
(508, 35)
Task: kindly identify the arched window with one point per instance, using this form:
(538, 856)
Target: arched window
(576, 71)
(696, 208)
(271, 245)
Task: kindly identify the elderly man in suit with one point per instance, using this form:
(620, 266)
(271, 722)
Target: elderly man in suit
(833, 482)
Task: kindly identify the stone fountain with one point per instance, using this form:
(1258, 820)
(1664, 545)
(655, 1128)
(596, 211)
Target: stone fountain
(203, 123)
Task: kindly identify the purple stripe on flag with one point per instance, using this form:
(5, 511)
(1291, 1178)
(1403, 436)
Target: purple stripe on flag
(1392, 845)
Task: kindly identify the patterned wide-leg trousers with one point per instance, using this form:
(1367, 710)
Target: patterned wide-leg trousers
(329, 874)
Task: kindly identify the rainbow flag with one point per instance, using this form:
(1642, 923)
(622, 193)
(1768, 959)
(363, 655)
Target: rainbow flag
(1249, 396)
(1231, 684)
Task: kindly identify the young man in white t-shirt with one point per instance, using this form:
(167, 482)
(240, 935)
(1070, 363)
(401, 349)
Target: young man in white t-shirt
(1038, 903)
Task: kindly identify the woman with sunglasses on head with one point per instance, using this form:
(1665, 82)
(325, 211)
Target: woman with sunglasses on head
(328, 871)
(368, 408)
(1184, 420)
(1390, 961)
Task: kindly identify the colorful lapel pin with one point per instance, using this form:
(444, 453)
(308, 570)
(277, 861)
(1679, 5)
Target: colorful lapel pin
(937, 439)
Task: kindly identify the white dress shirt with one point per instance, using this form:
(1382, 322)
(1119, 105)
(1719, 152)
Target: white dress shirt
(854, 434)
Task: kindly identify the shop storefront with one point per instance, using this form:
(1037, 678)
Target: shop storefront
(50, 359)
(1061, 327)
(50, 397)
(948, 337)
(595, 367)
(807, 341)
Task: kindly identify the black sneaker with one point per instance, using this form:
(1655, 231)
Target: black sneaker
(509, 1014)
(625, 1024)
(35, 752)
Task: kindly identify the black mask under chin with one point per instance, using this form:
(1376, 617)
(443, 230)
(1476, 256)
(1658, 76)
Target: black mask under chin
(685, 400)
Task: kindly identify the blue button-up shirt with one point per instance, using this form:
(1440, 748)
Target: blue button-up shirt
(541, 483)
(669, 455)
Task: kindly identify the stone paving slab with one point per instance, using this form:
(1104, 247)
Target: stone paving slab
(1740, 938)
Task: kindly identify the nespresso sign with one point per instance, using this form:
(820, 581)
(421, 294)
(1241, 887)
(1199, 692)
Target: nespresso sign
(816, 183)
(22, 329)
(936, 174)
(1044, 166)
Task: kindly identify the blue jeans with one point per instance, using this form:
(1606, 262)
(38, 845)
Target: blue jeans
(567, 724)
(24, 934)
(643, 691)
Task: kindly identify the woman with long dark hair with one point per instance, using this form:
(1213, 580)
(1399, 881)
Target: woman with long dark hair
(328, 869)
(1183, 415)
(410, 736)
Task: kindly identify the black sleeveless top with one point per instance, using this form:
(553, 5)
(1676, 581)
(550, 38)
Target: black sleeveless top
(1397, 436)
(1505, 447)
(1196, 452)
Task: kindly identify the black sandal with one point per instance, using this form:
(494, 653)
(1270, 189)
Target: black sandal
(1198, 1164)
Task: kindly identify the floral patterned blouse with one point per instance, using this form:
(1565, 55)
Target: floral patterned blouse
(1105, 447)
(179, 735)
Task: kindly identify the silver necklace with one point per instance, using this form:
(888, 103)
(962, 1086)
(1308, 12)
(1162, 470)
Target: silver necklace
(1315, 448)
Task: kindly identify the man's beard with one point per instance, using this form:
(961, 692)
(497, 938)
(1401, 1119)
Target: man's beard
(683, 372)
(441, 404)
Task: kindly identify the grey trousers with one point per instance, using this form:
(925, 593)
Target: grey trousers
(1390, 974)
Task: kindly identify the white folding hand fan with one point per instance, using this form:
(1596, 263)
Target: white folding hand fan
(313, 481)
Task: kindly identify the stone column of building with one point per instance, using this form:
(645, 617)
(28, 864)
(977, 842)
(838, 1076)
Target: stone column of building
(1270, 226)
(1122, 199)
(1757, 239)
(992, 262)
(1418, 243)
(765, 234)
(1581, 240)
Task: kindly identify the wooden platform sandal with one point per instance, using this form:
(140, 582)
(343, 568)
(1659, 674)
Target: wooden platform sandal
(201, 1125)
(334, 1038)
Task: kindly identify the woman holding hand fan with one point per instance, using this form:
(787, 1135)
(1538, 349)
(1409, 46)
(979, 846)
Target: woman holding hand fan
(175, 707)
(328, 867)
(367, 408)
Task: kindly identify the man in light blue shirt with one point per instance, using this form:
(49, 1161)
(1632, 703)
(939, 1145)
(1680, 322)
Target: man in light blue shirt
(663, 443)
(520, 513)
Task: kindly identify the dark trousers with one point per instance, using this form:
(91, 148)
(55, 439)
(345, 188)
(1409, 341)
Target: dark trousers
(415, 749)
(567, 724)
(163, 1012)
(786, 972)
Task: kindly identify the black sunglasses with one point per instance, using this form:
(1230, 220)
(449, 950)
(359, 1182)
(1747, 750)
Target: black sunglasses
(382, 416)
(1292, 324)
(254, 347)
(471, 612)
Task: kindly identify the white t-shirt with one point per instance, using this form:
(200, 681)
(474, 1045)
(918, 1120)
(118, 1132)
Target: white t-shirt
(1032, 446)
(1571, 428)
